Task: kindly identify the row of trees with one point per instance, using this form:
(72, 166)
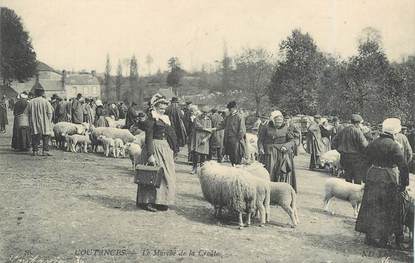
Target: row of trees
(300, 79)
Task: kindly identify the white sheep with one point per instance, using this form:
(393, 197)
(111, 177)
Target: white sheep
(76, 139)
(109, 132)
(251, 146)
(119, 148)
(235, 189)
(134, 152)
(140, 138)
(331, 160)
(108, 145)
(61, 129)
(343, 190)
(283, 194)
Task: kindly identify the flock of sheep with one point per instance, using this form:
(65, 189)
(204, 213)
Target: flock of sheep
(244, 189)
(115, 142)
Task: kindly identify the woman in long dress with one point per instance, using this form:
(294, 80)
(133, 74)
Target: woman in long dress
(158, 151)
(3, 114)
(382, 209)
(21, 139)
(276, 144)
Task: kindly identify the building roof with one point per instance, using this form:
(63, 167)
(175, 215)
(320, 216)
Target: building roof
(81, 79)
(43, 67)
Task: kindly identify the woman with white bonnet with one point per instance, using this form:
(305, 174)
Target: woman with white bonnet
(158, 151)
(275, 144)
(380, 215)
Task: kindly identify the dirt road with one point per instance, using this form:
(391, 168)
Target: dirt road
(81, 208)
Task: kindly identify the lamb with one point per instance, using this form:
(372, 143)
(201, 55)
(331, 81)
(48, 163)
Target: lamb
(236, 189)
(119, 148)
(283, 194)
(134, 151)
(343, 190)
(61, 129)
(75, 139)
(257, 169)
(108, 144)
(114, 133)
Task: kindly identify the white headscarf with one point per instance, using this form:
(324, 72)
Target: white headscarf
(276, 114)
(391, 125)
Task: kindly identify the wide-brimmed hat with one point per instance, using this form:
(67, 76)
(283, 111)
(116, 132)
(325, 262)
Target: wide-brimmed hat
(317, 116)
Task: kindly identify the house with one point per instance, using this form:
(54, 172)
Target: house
(85, 83)
(63, 84)
(50, 79)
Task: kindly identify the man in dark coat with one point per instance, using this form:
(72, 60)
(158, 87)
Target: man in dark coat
(351, 143)
(235, 131)
(77, 110)
(176, 117)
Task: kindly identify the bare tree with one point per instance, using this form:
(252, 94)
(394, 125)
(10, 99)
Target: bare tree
(253, 72)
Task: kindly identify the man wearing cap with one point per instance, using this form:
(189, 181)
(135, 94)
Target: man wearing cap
(77, 109)
(351, 144)
(315, 145)
(404, 144)
(235, 130)
(380, 215)
(201, 133)
(176, 117)
(40, 113)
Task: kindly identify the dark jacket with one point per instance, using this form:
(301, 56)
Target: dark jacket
(156, 129)
(350, 140)
(385, 152)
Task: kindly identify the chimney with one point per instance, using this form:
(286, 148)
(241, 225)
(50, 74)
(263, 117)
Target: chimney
(63, 78)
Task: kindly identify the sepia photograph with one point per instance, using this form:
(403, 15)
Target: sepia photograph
(207, 131)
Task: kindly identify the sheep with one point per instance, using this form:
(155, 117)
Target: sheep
(115, 123)
(119, 148)
(251, 146)
(343, 190)
(236, 189)
(283, 194)
(140, 139)
(61, 129)
(108, 144)
(109, 132)
(75, 139)
(257, 169)
(134, 152)
(331, 160)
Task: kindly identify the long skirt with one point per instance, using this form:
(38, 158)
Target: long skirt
(380, 214)
(165, 194)
(281, 167)
(315, 152)
(21, 139)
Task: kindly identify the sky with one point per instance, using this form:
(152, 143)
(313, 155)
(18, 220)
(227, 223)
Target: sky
(78, 34)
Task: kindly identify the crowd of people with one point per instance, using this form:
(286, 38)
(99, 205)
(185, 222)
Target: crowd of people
(380, 161)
